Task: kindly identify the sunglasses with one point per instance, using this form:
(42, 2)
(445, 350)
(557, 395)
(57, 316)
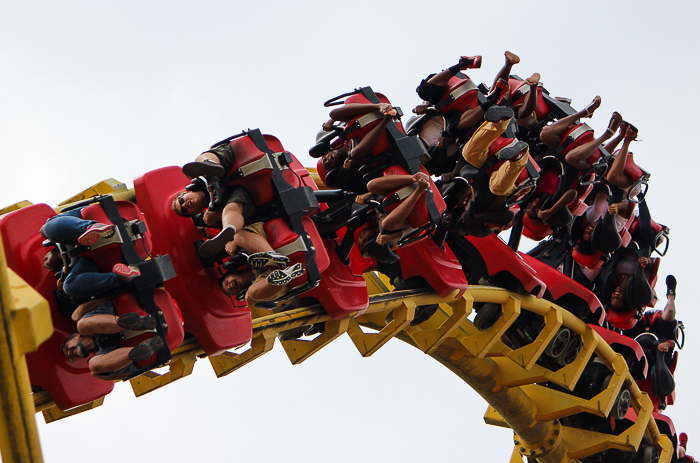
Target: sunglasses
(181, 202)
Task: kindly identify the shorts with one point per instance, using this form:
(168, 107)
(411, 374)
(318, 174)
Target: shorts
(257, 228)
(105, 309)
(225, 155)
(241, 196)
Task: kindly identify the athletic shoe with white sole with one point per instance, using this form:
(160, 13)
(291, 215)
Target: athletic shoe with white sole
(93, 234)
(263, 260)
(126, 272)
(282, 277)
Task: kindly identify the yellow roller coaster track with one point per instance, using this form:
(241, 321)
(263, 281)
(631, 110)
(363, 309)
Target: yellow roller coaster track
(508, 378)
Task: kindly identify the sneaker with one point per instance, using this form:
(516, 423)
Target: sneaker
(146, 349)
(513, 152)
(282, 277)
(203, 168)
(126, 272)
(671, 285)
(93, 234)
(136, 322)
(213, 246)
(263, 260)
(470, 62)
(499, 92)
(498, 113)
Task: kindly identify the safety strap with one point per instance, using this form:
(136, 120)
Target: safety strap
(361, 122)
(264, 163)
(291, 202)
(295, 246)
(397, 196)
(577, 132)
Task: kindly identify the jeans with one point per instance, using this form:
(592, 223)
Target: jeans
(86, 280)
(66, 228)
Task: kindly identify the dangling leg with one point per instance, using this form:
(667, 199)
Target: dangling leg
(551, 134)
(578, 157)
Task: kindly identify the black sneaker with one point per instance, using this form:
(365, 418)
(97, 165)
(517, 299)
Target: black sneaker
(512, 152)
(146, 349)
(671, 285)
(282, 277)
(136, 322)
(212, 247)
(203, 168)
(498, 113)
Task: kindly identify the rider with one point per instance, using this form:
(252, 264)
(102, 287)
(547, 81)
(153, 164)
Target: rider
(99, 330)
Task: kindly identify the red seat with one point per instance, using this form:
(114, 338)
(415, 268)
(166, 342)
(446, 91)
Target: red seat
(567, 293)
(498, 258)
(245, 155)
(628, 347)
(279, 235)
(519, 91)
(439, 267)
(341, 291)
(208, 313)
(577, 135)
(460, 95)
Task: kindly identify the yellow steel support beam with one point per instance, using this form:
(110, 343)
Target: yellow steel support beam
(180, 366)
(105, 187)
(299, 350)
(54, 413)
(25, 324)
(428, 340)
(369, 343)
(15, 206)
(228, 362)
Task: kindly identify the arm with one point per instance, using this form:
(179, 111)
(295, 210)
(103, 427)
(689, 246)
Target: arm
(565, 199)
(346, 112)
(397, 218)
(383, 185)
(365, 146)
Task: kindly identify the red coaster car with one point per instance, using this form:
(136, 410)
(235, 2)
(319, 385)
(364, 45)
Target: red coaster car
(71, 384)
(208, 313)
(284, 186)
(68, 384)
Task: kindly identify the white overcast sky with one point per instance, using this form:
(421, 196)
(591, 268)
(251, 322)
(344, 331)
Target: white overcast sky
(96, 90)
